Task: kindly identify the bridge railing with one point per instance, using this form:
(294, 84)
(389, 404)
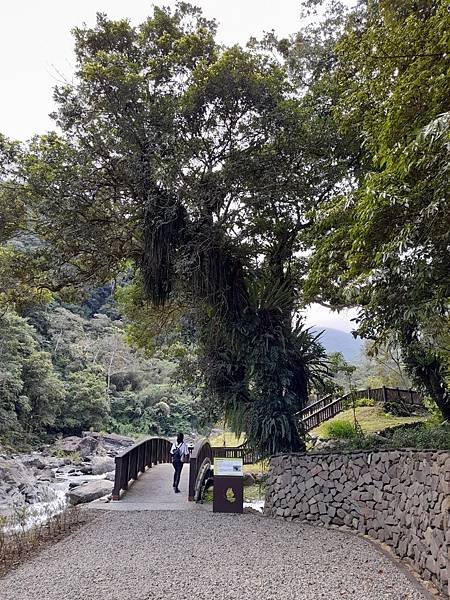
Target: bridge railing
(201, 454)
(248, 456)
(135, 460)
(202, 458)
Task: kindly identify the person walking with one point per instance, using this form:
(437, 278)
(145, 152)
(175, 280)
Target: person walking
(180, 453)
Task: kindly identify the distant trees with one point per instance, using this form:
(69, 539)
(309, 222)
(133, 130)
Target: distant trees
(61, 372)
(31, 392)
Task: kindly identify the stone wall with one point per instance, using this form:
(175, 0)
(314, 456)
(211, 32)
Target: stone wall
(401, 498)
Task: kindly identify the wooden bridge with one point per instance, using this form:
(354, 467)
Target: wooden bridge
(153, 451)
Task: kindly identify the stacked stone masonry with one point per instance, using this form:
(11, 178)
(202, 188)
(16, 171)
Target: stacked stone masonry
(401, 498)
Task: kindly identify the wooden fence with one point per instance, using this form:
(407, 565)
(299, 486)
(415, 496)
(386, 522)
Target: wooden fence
(322, 410)
(248, 456)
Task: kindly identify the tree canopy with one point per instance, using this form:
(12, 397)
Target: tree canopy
(229, 187)
(384, 246)
(196, 165)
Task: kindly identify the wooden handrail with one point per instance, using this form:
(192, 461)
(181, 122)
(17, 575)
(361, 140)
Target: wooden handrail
(248, 456)
(323, 410)
(135, 460)
(310, 408)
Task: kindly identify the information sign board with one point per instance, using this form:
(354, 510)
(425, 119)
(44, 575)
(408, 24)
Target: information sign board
(231, 467)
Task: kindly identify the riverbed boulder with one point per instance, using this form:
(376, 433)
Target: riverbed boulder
(102, 464)
(87, 492)
(84, 446)
(45, 475)
(112, 443)
(35, 461)
(19, 486)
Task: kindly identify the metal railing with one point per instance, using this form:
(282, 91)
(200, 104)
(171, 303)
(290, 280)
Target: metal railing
(135, 460)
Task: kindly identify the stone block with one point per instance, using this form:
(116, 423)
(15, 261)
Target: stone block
(313, 509)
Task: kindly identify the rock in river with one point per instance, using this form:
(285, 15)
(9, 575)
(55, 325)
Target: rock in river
(89, 491)
(85, 446)
(102, 465)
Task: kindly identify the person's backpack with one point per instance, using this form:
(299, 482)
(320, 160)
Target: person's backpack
(176, 454)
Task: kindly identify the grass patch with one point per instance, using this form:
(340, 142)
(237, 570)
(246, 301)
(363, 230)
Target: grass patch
(370, 418)
(253, 493)
(260, 467)
(74, 457)
(339, 429)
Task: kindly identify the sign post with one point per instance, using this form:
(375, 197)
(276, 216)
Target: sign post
(228, 485)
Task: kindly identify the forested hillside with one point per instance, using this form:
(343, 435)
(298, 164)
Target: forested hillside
(67, 368)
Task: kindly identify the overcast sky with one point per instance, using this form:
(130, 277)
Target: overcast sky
(36, 53)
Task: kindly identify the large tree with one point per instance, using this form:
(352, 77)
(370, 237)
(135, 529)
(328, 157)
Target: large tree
(384, 247)
(197, 165)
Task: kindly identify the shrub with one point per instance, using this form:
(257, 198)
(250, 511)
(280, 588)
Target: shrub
(422, 438)
(340, 429)
(359, 402)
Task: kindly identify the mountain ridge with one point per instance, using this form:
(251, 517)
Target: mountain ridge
(336, 340)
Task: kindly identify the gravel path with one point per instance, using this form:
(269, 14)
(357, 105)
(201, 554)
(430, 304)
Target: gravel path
(196, 555)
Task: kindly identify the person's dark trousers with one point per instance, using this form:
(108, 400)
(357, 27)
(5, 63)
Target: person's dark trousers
(178, 466)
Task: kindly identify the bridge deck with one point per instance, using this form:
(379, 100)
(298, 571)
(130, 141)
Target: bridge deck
(153, 491)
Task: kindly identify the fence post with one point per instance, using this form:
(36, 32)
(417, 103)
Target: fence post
(192, 478)
(155, 451)
(117, 478)
(126, 468)
(384, 395)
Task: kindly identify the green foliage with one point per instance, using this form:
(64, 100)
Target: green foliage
(195, 165)
(202, 169)
(420, 438)
(359, 402)
(31, 391)
(340, 429)
(86, 377)
(86, 404)
(73, 457)
(384, 246)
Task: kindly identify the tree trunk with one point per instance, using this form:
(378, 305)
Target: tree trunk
(427, 370)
